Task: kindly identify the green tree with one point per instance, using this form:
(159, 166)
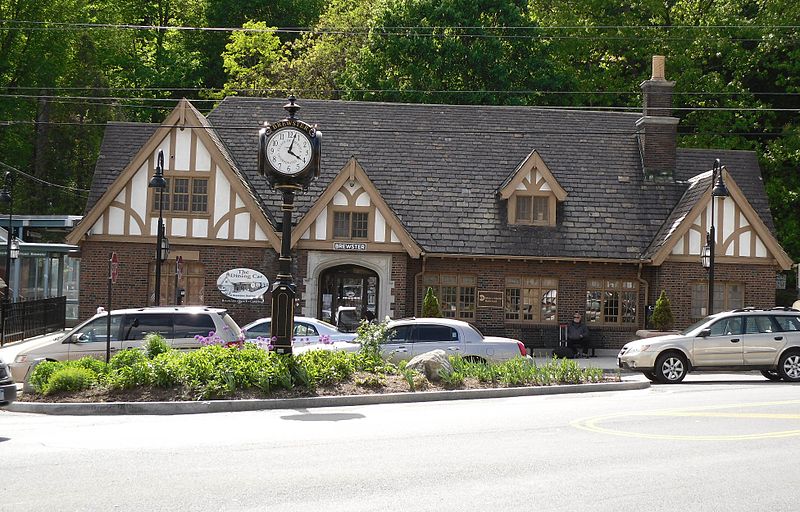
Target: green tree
(430, 305)
(254, 59)
(662, 318)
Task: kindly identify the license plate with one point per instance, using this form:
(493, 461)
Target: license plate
(619, 362)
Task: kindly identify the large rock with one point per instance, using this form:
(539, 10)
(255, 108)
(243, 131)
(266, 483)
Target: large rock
(430, 363)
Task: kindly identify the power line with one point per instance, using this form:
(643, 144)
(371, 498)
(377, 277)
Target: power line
(420, 91)
(619, 108)
(444, 31)
(77, 191)
(414, 27)
(433, 129)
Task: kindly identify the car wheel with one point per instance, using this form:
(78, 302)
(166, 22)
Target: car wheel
(789, 366)
(651, 376)
(771, 374)
(671, 368)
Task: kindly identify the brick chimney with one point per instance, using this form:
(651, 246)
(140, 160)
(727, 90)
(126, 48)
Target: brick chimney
(657, 130)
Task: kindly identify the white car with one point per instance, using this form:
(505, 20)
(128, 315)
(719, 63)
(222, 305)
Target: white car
(179, 325)
(413, 336)
(307, 331)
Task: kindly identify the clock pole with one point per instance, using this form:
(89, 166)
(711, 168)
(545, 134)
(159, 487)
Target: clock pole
(288, 169)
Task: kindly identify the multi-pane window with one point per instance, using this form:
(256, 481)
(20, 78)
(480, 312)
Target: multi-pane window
(531, 299)
(611, 301)
(532, 210)
(727, 295)
(182, 193)
(351, 225)
(456, 293)
(199, 196)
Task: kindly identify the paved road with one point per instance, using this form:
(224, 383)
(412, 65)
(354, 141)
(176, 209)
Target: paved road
(717, 442)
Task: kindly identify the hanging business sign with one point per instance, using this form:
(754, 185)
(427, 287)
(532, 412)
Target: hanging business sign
(242, 284)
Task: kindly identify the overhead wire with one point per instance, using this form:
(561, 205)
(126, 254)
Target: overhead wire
(80, 192)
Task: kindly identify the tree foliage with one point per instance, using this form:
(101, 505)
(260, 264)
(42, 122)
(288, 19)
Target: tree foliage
(736, 64)
(663, 318)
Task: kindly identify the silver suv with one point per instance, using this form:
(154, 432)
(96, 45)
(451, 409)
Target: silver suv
(179, 325)
(738, 340)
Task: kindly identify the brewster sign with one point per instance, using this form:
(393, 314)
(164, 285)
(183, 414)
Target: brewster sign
(243, 284)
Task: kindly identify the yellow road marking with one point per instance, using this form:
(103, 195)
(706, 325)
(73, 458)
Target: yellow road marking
(592, 424)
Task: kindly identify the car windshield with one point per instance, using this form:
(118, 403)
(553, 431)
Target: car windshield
(697, 324)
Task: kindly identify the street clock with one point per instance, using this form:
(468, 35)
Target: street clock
(289, 151)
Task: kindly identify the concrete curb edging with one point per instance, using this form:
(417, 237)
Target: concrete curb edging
(169, 408)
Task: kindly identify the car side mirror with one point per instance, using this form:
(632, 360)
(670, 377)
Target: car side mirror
(705, 333)
(75, 338)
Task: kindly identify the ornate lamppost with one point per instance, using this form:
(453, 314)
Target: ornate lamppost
(289, 157)
(6, 196)
(162, 244)
(707, 257)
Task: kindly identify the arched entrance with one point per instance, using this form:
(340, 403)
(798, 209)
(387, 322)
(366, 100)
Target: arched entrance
(347, 294)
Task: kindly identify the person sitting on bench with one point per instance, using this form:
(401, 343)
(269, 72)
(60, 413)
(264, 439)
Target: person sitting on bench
(578, 336)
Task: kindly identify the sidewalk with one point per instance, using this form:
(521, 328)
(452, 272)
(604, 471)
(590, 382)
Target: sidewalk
(605, 359)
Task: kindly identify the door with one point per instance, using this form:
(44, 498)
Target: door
(723, 347)
(762, 340)
(398, 344)
(348, 295)
(429, 337)
(91, 339)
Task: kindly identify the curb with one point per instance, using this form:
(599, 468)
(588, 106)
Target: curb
(170, 408)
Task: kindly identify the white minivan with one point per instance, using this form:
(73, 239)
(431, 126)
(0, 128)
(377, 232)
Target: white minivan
(179, 325)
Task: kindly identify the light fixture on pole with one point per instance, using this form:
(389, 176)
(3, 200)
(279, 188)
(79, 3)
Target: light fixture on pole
(162, 244)
(7, 197)
(707, 259)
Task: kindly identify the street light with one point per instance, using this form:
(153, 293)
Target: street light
(162, 244)
(707, 258)
(7, 197)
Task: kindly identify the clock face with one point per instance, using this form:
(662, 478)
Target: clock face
(289, 151)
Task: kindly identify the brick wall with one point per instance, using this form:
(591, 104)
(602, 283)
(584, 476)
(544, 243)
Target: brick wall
(131, 289)
(572, 280)
(676, 278)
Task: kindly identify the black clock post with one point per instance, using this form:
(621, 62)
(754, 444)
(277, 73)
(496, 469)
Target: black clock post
(289, 157)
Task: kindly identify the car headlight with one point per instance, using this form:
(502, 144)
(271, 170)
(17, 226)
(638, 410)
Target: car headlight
(21, 358)
(638, 348)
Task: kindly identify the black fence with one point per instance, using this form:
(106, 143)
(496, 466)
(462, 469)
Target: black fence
(33, 317)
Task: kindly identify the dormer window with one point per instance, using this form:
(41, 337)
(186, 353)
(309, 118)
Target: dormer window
(532, 193)
(534, 210)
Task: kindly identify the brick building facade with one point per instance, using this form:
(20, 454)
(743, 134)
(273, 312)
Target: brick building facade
(517, 217)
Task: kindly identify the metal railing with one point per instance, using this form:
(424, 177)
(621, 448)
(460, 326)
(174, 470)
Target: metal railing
(33, 317)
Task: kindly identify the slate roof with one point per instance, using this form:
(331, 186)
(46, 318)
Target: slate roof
(439, 168)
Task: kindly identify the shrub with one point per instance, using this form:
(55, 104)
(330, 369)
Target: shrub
(155, 344)
(325, 367)
(42, 373)
(127, 357)
(430, 305)
(166, 369)
(70, 378)
(662, 318)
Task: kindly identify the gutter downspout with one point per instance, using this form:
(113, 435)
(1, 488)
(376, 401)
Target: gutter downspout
(646, 293)
(416, 283)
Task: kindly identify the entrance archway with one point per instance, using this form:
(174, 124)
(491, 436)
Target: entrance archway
(348, 294)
